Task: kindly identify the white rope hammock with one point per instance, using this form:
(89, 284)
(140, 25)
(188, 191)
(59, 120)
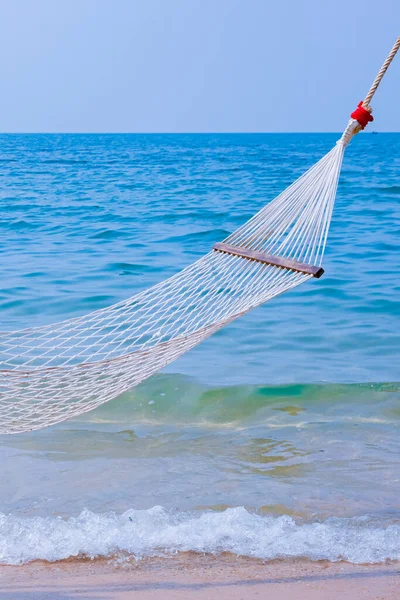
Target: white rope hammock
(51, 373)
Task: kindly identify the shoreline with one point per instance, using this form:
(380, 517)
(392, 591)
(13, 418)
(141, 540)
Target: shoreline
(204, 577)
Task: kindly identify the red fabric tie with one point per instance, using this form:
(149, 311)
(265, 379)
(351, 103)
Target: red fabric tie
(362, 115)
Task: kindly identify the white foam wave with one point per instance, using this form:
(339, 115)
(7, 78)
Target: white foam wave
(155, 532)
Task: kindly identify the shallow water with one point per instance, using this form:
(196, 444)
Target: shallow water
(291, 412)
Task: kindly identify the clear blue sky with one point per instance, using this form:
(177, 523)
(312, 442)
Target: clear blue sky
(194, 65)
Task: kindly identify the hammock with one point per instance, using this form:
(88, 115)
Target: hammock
(51, 373)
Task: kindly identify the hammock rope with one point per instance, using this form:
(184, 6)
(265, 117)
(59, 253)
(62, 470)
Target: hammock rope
(51, 373)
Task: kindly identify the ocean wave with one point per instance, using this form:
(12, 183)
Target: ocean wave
(157, 532)
(177, 399)
(390, 189)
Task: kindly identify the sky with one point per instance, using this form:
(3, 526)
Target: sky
(194, 65)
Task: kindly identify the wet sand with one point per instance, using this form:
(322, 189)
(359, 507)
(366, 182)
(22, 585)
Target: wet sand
(200, 577)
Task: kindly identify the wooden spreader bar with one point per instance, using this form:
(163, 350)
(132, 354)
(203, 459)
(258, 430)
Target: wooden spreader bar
(269, 259)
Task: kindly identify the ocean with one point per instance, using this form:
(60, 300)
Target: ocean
(276, 438)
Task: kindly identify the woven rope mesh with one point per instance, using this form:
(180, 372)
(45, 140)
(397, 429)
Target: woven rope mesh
(54, 372)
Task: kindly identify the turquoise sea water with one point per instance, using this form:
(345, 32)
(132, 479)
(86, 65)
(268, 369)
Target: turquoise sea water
(292, 412)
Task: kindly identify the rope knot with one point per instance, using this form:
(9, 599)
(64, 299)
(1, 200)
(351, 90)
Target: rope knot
(362, 114)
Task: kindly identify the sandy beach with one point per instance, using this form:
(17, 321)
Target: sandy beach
(203, 577)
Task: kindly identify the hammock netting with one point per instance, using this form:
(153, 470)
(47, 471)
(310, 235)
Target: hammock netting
(51, 373)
